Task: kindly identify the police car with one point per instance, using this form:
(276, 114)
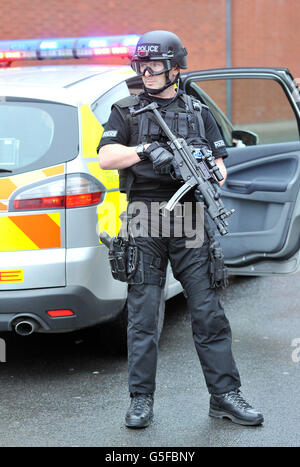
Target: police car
(55, 199)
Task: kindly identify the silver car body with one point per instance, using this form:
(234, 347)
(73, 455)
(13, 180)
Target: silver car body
(76, 275)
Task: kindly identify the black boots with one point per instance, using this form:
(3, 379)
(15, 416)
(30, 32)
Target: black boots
(140, 412)
(232, 405)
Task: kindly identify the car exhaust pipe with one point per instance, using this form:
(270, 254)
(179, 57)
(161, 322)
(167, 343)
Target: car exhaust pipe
(25, 326)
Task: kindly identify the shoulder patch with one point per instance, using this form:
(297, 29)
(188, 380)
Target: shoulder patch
(219, 144)
(110, 134)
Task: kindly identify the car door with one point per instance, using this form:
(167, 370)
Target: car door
(258, 113)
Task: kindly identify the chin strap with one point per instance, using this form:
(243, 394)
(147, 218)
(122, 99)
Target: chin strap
(167, 85)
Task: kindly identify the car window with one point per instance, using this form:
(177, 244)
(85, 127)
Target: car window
(255, 105)
(36, 134)
(102, 106)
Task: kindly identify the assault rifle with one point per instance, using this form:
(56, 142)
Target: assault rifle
(203, 175)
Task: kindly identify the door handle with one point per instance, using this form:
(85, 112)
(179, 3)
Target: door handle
(239, 186)
(244, 187)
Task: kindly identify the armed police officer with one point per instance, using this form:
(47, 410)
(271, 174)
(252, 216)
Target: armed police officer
(135, 145)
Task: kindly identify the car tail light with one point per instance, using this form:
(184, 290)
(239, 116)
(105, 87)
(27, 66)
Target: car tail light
(60, 313)
(87, 199)
(48, 202)
(70, 191)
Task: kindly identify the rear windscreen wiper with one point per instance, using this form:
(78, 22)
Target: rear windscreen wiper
(5, 170)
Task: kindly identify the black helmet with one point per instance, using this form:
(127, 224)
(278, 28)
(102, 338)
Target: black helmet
(160, 45)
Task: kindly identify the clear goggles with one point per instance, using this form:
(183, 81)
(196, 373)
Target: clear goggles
(154, 67)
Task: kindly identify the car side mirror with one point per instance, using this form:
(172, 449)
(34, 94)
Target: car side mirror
(248, 138)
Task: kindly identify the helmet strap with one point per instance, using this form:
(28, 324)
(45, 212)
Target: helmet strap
(166, 86)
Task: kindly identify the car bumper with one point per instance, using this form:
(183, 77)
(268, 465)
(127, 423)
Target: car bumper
(87, 308)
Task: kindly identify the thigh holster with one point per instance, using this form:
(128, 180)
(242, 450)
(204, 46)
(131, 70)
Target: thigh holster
(123, 259)
(218, 270)
(149, 271)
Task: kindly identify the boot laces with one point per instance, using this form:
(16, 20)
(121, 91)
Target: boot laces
(238, 400)
(141, 401)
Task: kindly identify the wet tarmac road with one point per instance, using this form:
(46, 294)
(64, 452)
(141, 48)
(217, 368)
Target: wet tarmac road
(71, 389)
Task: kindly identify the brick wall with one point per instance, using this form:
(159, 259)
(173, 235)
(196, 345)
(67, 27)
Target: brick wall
(193, 20)
(264, 32)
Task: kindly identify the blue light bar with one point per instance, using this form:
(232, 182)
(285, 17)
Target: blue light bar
(97, 43)
(130, 40)
(91, 46)
(24, 50)
(55, 48)
(27, 44)
(48, 45)
(68, 47)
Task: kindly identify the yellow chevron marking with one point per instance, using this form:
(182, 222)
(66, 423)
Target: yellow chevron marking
(109, 211)
(10, 184)
(55, 216)
(12, 238)
(109, 178)
(57, 170)
(91, 132)
(7, 187)
(29, 177)
(126, 72)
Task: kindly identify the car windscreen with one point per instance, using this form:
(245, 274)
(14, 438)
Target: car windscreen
(35, 134)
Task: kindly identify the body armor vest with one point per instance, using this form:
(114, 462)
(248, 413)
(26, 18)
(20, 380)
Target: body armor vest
(182, 115)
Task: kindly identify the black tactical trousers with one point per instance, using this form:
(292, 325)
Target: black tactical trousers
(210, 327)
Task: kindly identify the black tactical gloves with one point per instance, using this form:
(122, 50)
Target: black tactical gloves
(159, 156)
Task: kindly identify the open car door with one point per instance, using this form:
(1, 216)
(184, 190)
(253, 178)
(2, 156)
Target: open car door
(258, 113)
